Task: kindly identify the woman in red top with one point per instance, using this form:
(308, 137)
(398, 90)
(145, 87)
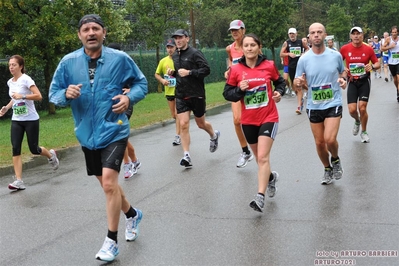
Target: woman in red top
(234, 53)
(250, 82)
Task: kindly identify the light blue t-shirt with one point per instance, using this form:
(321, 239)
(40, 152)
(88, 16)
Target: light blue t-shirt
(322, 72)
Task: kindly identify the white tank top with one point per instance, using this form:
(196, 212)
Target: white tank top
(394, 54)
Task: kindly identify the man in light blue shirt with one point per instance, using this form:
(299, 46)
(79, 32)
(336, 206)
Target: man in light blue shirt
(325, 74)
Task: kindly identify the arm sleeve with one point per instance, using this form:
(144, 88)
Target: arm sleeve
(203, 68)
(232, 93)
(58, 87)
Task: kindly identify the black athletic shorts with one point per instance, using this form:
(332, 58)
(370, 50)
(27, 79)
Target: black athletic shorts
(318, 116)
(394, 69)
(359, 90)
(252, 132)
(108, 157)
(195, 104)
(170, 98)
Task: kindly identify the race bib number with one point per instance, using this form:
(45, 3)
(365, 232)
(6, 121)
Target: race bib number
(256, 97)
(296, 51)
(395, 55)
(322, 93)
(235, 61)
(376, 51)
(171, 79)
(357, 69)
(20, 109)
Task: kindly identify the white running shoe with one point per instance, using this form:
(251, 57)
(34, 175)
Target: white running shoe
(127, 170)
(365, 137)
(108, 251)
(54, 162)
(17, 185)
(244, 159)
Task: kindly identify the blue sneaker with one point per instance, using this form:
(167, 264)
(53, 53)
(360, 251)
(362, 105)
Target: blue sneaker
(132, 226)
(108, 251)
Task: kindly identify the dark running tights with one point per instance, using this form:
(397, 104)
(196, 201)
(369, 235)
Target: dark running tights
(18, 128)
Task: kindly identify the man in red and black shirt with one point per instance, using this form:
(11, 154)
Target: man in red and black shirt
(357, 56)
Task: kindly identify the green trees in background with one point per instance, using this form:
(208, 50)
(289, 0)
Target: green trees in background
(45, 30)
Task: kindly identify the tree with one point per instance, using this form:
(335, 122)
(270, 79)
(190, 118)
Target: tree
(42, 31)
(156, 20)
(212, 22)
(339, 23)
(267, 19)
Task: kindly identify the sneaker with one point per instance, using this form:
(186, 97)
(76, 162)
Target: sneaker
(135, 166)
(16, 185)
(337, 169)
(54, 162)
(108, 251)
(386, 79)
(305, 96)
(132, 226)
(328, 177)
(293, 94)
(127, 169)
(298, 110)
(244, 159)
(287, 91)
(379, 76)
(213, 146)
(365, 137)
(177, 140)
(271, 187)
(356, 128)
(186, 161)
(257, 203)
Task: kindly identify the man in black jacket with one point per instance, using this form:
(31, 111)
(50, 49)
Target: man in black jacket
(191, 68)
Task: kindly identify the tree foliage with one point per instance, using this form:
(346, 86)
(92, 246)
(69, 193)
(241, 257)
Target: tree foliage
(267, 19)
(42, 31)
(338, 22)
(157, 19)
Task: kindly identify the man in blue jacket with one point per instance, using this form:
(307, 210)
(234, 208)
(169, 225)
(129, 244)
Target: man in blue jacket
(91, 80)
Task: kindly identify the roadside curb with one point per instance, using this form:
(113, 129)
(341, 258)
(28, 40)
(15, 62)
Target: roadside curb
(8, 171)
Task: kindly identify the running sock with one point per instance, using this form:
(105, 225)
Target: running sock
(334, 159)
(261, 194)
(246, 150)
(131, 213)
(186, 153)
(214, 136)
(328, 168)
(113, 235)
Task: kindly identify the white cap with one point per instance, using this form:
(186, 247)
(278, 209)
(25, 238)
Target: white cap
(236, 25)
(356, 28)
(291, 30)
(375, 37)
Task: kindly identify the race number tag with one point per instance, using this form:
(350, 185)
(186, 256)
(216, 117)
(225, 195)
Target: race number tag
(357, 69)
(296, 51)
(376, 51)
(235, 61)
(171, 79)
(395, 55)
(20, 109)
(322, 93)
(256, 97)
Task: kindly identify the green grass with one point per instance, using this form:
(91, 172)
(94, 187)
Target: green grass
(57, 131)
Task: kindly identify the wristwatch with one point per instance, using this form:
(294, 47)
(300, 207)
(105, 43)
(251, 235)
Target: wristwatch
(189, 73)
(23, 96)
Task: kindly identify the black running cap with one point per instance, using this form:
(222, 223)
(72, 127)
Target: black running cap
(91, 18)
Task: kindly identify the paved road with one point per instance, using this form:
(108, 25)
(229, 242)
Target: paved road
(201, 216)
